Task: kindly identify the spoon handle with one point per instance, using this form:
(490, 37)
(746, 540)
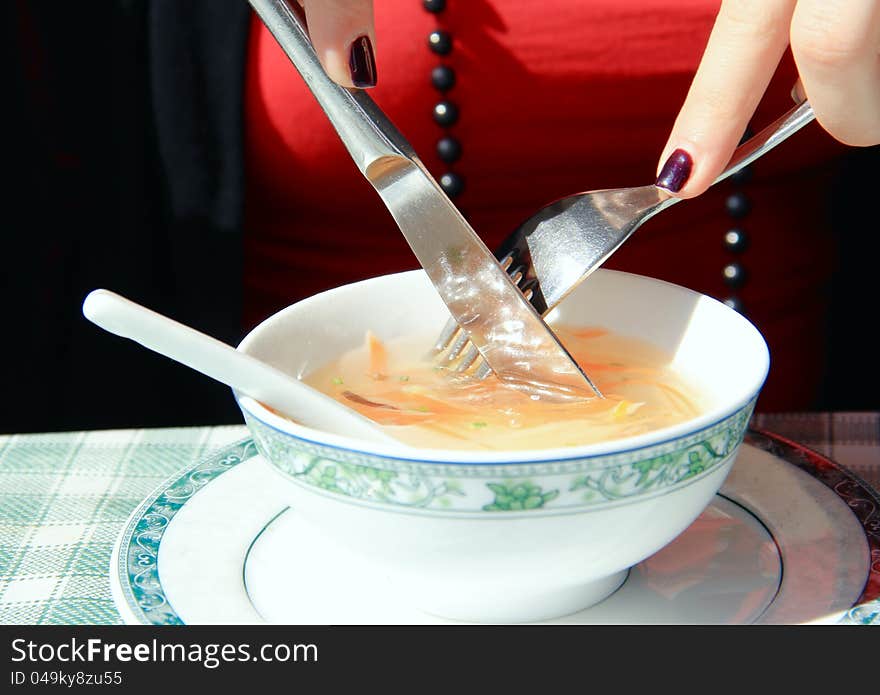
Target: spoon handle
(227, 365)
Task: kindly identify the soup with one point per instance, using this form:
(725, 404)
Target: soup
(425, 405)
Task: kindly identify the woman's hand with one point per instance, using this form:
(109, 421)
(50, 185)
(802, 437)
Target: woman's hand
(836, 46)
(343, 35)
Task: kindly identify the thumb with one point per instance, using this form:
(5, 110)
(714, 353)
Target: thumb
(342, 33)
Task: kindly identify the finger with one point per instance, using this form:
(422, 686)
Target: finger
(836, 46)
(343, 35)
(744, 48)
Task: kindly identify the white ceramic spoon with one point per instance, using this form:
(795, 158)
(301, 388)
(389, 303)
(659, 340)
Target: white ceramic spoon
(227, 365)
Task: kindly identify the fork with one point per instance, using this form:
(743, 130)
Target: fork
(557, 248)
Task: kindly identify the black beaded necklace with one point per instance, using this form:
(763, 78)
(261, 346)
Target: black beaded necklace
(446, 113)
(736, 240)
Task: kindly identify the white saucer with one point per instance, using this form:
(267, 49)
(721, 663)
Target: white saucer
(789, 539)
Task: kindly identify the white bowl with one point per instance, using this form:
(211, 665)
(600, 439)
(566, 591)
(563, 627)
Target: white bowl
(521, 535)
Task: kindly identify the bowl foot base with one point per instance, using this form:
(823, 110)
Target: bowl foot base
(527, 608)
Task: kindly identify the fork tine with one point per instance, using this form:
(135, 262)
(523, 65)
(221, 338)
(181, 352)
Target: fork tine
(457, 346)
(516, 274)
(449, 332)
(469, 356)
(483, 370)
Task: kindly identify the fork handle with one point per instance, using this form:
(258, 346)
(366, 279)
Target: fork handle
(367, 133)
(781, 129)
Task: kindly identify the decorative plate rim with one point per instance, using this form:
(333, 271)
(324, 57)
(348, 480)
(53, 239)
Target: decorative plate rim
(860, 497)
(134, 560)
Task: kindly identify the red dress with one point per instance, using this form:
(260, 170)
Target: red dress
(554, 98)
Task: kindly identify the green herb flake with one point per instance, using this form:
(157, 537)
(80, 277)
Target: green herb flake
(479, 425)
(337, 380)
(404, 378)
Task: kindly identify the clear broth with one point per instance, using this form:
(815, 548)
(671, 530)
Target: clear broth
(423, 405)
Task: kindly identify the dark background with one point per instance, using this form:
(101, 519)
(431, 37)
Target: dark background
(88, 203)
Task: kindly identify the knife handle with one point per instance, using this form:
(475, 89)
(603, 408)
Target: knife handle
(365, 130)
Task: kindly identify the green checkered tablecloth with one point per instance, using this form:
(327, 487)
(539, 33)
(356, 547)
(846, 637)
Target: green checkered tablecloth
(65, 497)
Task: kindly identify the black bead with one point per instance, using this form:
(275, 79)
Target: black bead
(738, 205)
(445, 113)
(736, 240)
(448, 149)
(743, 176)
(434, 6)
(443, 78)
(734, 275)
(452, 184)
(736, 304)
(440, 42)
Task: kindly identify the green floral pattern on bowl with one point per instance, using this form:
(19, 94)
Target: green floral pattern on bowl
(517, 497)
(553, 486)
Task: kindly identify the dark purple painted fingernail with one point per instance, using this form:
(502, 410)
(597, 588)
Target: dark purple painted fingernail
(361, 63)
(675, 173)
